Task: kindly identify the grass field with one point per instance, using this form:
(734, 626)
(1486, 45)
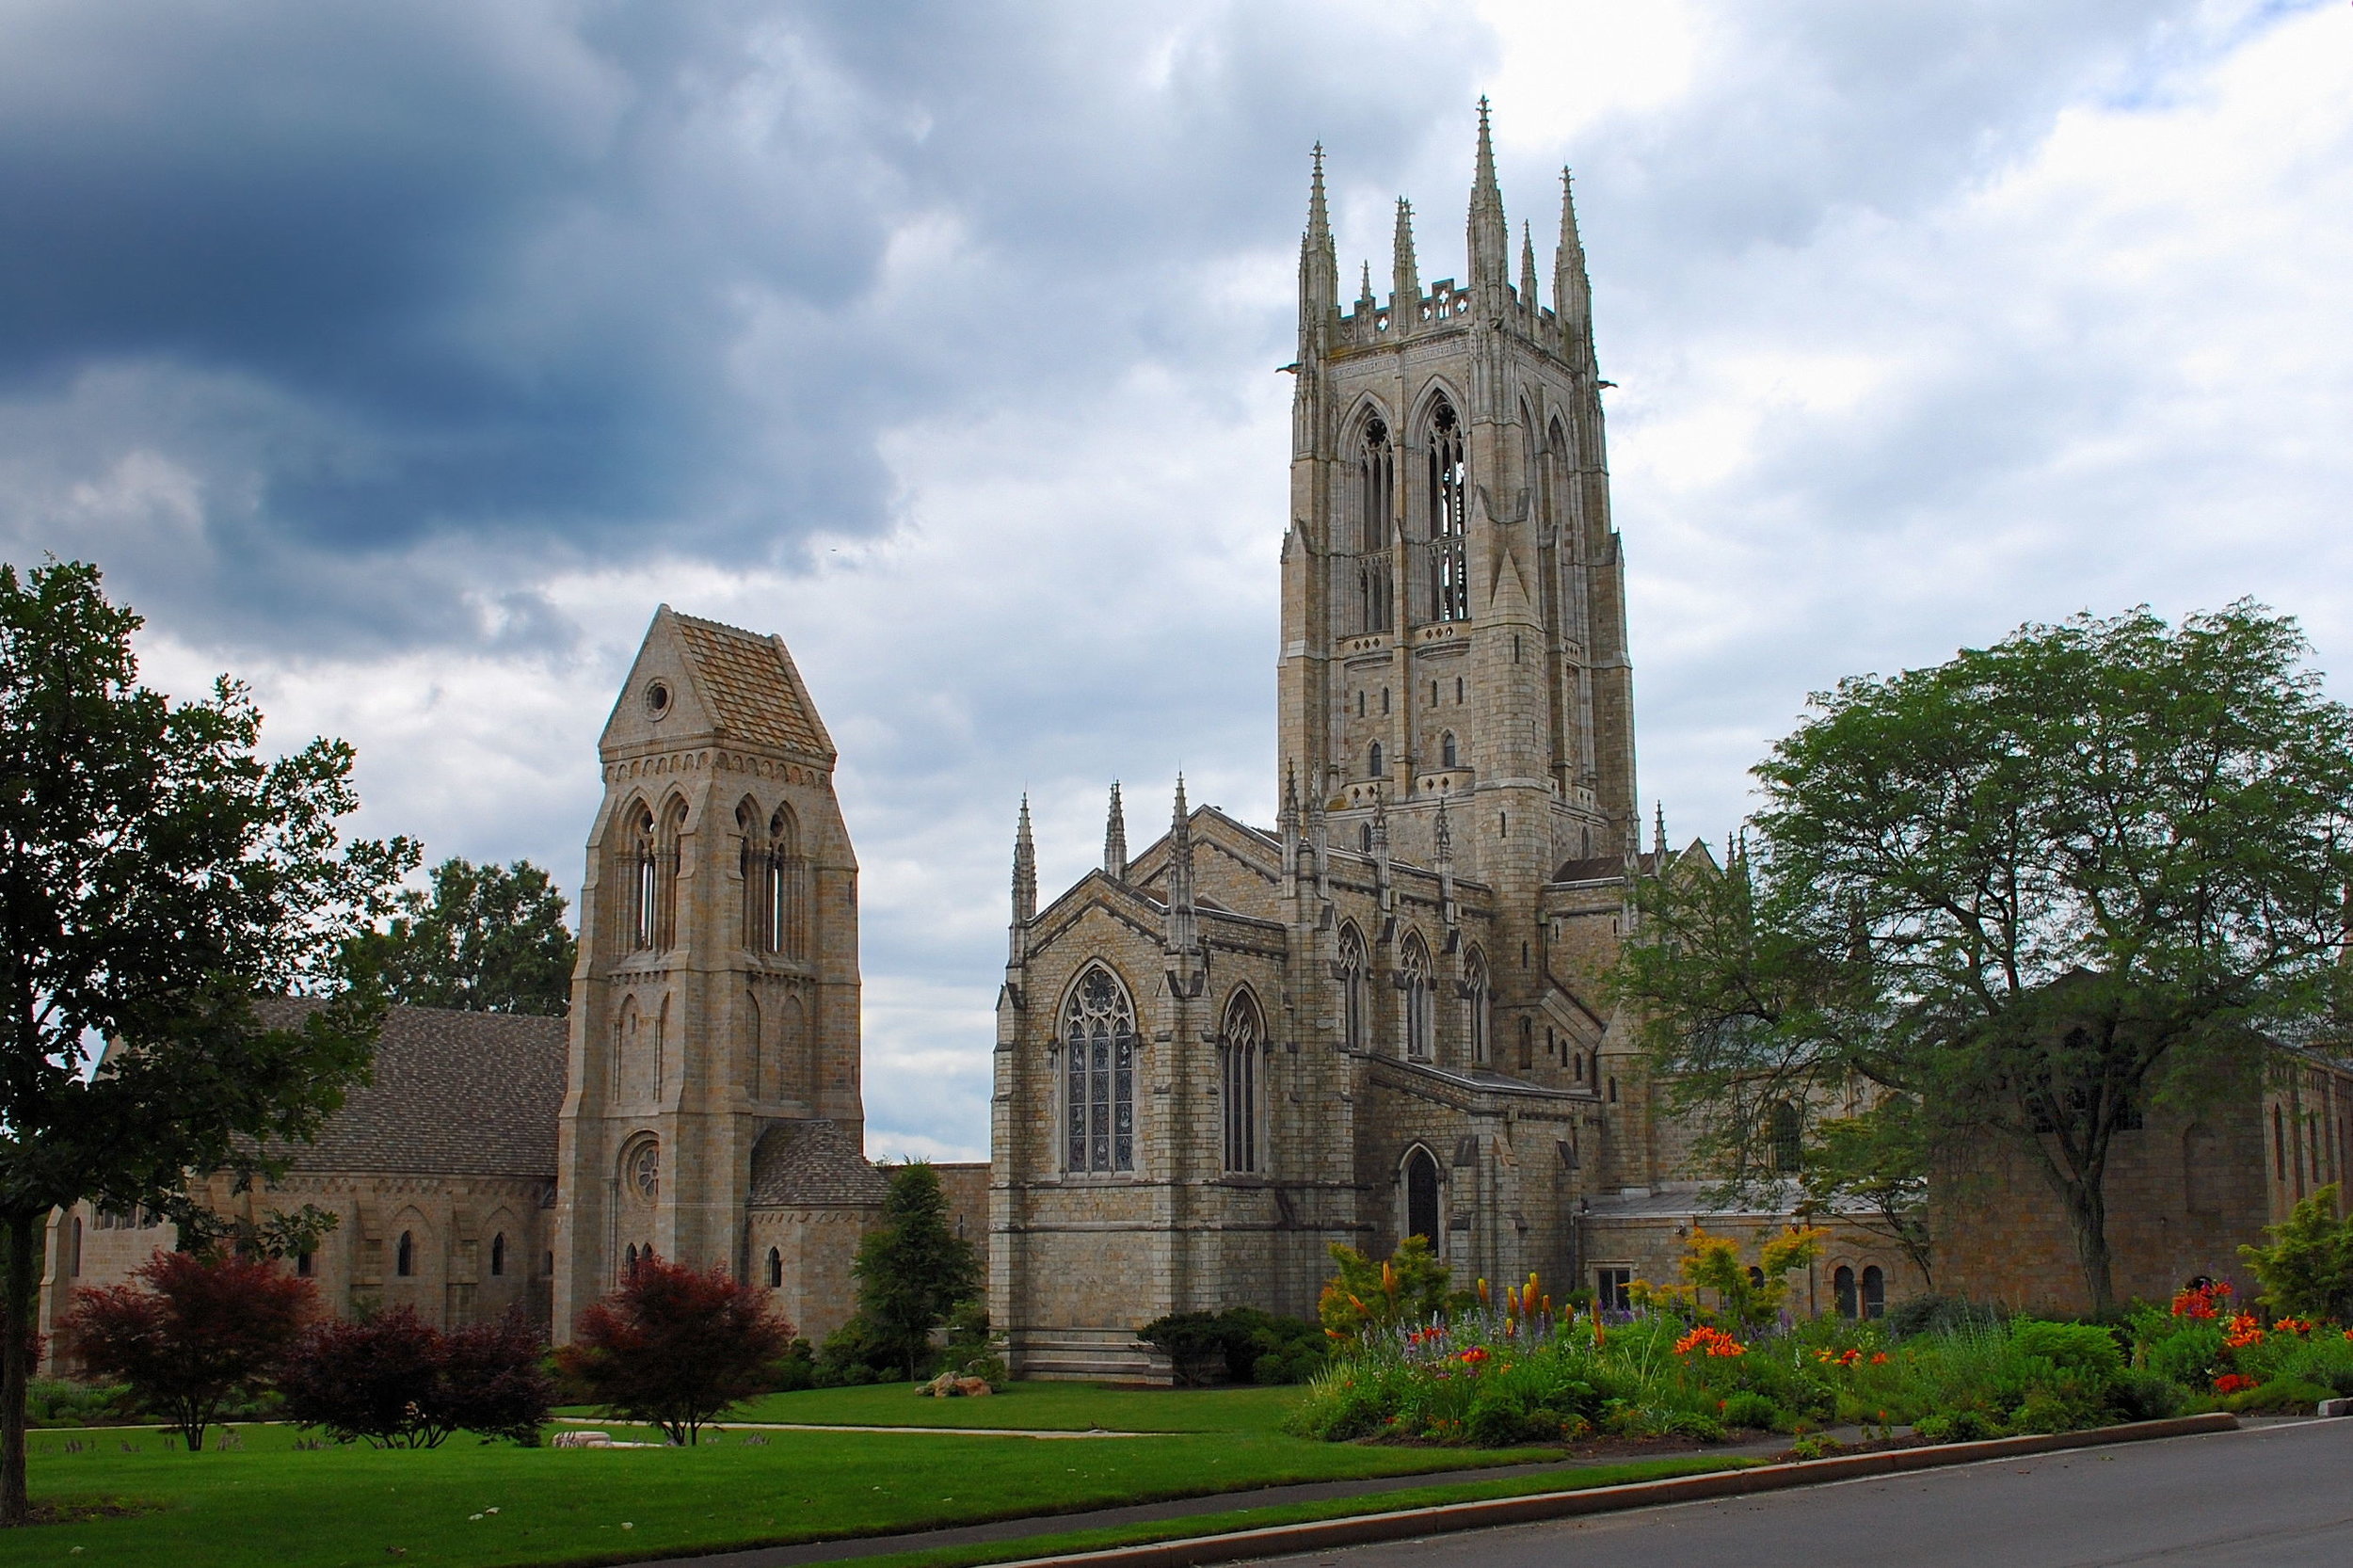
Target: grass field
(269, 1505)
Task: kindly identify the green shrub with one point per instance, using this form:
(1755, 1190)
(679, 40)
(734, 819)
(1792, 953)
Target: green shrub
(2285, 1396)
(2191, 1355)
(2307, 1271)
(62, 1402)
(1748, 1408)
(2084, 1349)
(1931, 1313)
(1240, 1344)
(2147, 1397)
(1958, 1426)
(795, 1370)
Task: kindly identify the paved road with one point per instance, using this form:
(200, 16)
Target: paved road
(2274, 1497)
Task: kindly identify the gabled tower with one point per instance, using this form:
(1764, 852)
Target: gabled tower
(716, 995)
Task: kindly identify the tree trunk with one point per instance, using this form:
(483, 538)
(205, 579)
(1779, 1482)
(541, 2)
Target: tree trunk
(2087, 1217)
(20, 1284)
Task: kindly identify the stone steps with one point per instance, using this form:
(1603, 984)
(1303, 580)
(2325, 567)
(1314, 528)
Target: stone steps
(1087, 1355)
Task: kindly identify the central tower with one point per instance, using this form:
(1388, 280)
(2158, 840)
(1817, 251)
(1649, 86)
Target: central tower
(1453, 604)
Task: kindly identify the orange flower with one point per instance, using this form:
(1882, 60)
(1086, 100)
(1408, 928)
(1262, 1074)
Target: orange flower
(2231, 1382)
(1879, 1358)
(1709, 1341)
(2244, 1330)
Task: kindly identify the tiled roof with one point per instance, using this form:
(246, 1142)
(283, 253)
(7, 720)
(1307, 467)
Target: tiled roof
(749, 685)
(454, 1094)
(1597, 868)
(812, 1163)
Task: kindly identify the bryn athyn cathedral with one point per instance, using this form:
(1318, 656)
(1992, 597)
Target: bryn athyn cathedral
(1215, 1057)
(1376, 1019)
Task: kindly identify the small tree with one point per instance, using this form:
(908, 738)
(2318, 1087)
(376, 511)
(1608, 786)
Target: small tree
(192, 1333)
(2307, 1271)
(1410, 1287)
(395, 1381)
(1712, 1263)
(913, 1271)
(676, 1348)
(486, 939)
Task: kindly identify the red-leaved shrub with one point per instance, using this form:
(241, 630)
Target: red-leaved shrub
(674, 1347)
(191, 1333)
(395, 1381)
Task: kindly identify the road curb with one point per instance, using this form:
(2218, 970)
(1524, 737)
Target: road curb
(1407, 1524)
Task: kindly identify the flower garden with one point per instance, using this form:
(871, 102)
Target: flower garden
(1719, 1352)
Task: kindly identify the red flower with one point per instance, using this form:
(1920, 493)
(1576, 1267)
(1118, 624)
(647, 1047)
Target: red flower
(2231, 1382)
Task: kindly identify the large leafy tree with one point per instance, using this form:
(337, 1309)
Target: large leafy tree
(156, 875)
(486, 938)
(2031, 893)
(913, 1270)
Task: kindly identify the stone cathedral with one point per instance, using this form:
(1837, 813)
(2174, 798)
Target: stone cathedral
(1219, 1056)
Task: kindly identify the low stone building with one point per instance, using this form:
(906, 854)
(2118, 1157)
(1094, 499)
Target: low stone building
(440, 1174)
(2184, 1194)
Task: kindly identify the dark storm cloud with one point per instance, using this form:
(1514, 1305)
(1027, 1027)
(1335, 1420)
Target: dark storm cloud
(554, 285)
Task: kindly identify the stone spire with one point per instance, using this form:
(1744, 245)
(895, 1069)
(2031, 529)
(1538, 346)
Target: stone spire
(1115, 839)
(1658, 835)
(1318, 267)
(1365, 301)
(1490, 236)
(1572, 292)
(1404, 276)
(1024, 881)
(1183, 928)
(1528, 269)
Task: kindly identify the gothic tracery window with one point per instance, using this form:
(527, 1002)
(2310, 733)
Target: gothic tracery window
(1240, 1053)
(1353, 995)
(1420, 1004)
(1449, 583)
(1099, 1074)
(776, 884)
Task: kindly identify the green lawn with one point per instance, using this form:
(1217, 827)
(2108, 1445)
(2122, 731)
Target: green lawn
(1035, 1407)
(270, 1506)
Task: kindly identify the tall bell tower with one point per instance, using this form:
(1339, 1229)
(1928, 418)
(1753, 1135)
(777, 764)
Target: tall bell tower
(1453, 593)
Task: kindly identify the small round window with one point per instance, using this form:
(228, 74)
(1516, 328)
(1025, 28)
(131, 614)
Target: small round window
(657, 698)
(645, 1171)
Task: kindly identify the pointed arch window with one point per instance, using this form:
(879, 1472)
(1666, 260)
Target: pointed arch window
(645, 880)
(1376, 763)
(498, 1254)
(1242, 1048)
(1354, 997)
(668, 850)
(776, 883)
(1421, 1195)
(629, 1262)
(1376, 474)
(776, 1270)
(405, 1255)
(1785, 1134)
(1420, 1006)
(1449, 583)
(1446, 750)
(1476, 1005)
(1099, 1035)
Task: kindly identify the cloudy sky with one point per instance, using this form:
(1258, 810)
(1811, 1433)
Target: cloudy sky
(401, 359)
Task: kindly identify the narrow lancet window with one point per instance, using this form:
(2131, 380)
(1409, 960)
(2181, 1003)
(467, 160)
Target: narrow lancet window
(1449, 583)
(1240, 1048)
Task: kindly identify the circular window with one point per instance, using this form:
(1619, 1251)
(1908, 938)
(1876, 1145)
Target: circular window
(658, 698)
(645, 1171)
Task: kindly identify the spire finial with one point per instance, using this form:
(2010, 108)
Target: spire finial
(1364, 294)
(1572, 295)
(1318, 268)
(1024, 877)
(1490, 238)
(1659, 838)
(1182, 920)
(1404, 276)
(1528, 267)
(1115, 839)
(1318, 218)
